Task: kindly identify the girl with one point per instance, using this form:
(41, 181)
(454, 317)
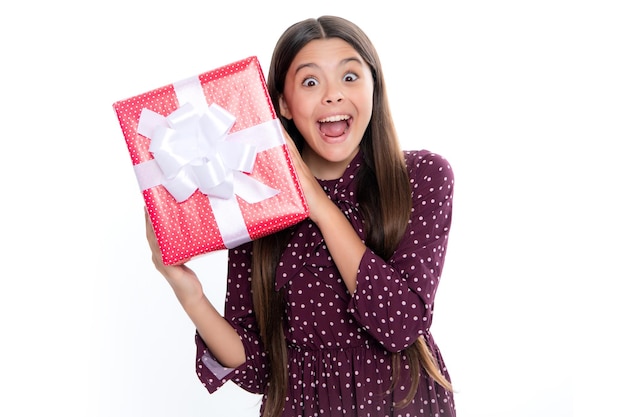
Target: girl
(331, 317)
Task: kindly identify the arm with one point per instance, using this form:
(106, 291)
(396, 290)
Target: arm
(394, 299)
(344, 244)
(215, 331)
(228, 348)
(253, 373)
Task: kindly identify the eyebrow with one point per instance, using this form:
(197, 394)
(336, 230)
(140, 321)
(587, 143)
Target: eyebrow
(342, 62)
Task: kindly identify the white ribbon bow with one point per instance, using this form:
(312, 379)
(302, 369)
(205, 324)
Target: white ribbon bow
(192, 151)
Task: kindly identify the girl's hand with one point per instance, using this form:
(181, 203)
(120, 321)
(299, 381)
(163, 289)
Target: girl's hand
(183, 280)
(315, 196)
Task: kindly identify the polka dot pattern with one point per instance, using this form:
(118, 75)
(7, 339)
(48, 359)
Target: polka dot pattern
(340, 345)
(188, 229)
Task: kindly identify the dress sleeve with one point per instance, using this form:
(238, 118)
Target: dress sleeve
(394, 299)
(253, 374)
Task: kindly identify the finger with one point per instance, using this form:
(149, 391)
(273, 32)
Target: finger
(152, 240)
(290, 143)
(147, 217)
(149, 228)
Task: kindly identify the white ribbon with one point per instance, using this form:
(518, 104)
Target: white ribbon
(193, 151)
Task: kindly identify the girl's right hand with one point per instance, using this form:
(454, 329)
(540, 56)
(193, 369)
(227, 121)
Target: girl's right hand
(218, 334)
(184, 281)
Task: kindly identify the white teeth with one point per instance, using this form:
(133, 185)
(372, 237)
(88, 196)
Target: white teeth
(336, 118)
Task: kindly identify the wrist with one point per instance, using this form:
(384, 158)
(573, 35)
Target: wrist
(322, 208)
(192, 303)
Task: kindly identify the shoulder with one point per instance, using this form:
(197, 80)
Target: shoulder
(424, 164)
(431, 180)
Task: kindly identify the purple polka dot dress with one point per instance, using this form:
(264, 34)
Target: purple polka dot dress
(340, 345)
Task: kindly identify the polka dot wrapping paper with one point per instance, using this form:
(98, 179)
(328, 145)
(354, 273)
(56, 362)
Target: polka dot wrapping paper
(185, 229)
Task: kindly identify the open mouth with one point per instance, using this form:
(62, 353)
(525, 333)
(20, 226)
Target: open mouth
(334, 126)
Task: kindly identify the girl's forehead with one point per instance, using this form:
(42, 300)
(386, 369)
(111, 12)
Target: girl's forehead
(325, 50)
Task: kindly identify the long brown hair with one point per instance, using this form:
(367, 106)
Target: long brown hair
(383, 192)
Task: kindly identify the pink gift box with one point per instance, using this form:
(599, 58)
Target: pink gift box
(211, 161)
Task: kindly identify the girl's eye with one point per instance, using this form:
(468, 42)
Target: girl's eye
(350, 77)
(310, 82)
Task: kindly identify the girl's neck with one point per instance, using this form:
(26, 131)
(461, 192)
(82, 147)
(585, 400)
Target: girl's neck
(321, 168)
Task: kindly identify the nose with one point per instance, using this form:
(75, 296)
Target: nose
(336, 99)
(333, 94)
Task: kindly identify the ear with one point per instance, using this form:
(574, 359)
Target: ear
(284, 109)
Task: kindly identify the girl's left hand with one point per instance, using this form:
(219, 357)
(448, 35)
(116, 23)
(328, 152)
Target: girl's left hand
(315, 196)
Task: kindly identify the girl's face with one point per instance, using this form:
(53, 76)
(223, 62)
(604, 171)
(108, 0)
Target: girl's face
(328, 93)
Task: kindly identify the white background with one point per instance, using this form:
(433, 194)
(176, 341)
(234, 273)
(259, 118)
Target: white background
(527, 100)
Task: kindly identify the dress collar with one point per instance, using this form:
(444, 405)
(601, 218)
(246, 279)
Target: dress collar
(336, 188)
